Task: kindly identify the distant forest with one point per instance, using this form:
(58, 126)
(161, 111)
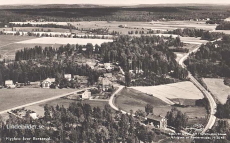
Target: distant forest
(115, 13)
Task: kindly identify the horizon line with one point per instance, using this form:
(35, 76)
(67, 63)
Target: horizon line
(106, 4)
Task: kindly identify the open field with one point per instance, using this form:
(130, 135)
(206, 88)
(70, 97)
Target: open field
(218, 88)
(8, 45)
(16, 97)
(192, 40)
(155, 25)
(181, 90)
(9, 50)
(227, 19)
(8, 39)
(224, 31)
(57, 40)
(130, 99)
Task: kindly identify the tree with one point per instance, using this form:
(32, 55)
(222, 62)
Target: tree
(127, 79)
(176, 119)
(148, 108)
(1, 80)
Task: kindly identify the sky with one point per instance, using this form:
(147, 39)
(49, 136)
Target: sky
(111, 2)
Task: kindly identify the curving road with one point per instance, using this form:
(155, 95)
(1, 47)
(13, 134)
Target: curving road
(111, 100)
(212, 102)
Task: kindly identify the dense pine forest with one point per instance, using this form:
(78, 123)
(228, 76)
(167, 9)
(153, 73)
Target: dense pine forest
(80, 123)
(29, 71)
(136, 13)
(212, 59)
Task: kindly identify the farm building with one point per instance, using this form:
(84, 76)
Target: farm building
(67, 76)
(107, 66)
(157, 121)
(9, 84)
(33, 115)
(86, 95)
(48, 82)
(22, 113)
(109, 76)
(105, 83)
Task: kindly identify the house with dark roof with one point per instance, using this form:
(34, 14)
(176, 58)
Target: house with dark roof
(156, 121)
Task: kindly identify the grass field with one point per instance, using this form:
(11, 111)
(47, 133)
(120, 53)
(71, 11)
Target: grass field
(8, 45)
(130, 99)
(183, 90)
(8, 39)
(157, 25)
(57, 40)
(193, 40)
(218, 88)
(15, 97)
(10, 50)
(224, 31)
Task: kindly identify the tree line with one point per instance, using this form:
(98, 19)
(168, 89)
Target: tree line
(223, 26)
(115, 13)
(192, 32)
(68, 26)
(30, 71)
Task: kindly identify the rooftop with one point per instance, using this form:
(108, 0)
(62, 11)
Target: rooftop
(154, 117)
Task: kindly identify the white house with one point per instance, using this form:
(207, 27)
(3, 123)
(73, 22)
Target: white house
(9, 84)
(33, 115)
(86, 95)
(67, 76)
(47, 82)
(107, 66)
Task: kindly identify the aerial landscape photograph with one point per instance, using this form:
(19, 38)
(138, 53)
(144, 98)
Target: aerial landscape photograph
(84, 71)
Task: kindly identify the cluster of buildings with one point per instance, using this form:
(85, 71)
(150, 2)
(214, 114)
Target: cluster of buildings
(22, 112)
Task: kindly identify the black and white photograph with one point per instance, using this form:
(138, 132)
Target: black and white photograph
(122, 71)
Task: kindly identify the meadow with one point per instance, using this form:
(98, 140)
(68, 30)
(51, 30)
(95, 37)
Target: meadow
(130, 99)
(10, 39)
(218, 88)
(9, 50)
(180, 90)
(58, 40)
(11, 98)
(143, 26)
